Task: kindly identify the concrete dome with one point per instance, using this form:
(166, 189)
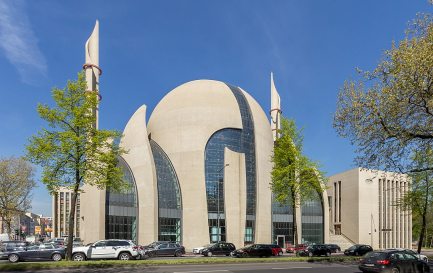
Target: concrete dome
(183, 122)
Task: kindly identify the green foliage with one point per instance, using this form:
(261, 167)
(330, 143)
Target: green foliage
(16, 185)
(71, 150)
(295, 178)
(420, 198)
(388, 113)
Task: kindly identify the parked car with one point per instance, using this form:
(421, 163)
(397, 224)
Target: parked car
(300, 247)
(167, 249)
(358, 250)
(256, 250)
(57, 241)
(290, 248)
(276, 250)
(106, 249)
(334, 248)
(7, 246)
(419, 256)
(222, 248)
(316, 250)
(198, 250)
(394, 261)
(75, 242)
(37, 252)
(144, 252)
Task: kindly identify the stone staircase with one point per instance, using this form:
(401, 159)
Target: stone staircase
(340, 240)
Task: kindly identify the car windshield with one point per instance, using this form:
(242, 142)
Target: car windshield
(209, 245)
(352, 247)
(89, 244)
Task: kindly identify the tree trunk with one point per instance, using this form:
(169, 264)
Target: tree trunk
(8, 227)
(295, 224)
(72, 222)
(424, 216)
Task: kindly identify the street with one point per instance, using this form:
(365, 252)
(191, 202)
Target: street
(285, 267)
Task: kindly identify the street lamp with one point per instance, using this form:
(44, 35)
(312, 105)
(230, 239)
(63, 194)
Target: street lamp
(218, 201)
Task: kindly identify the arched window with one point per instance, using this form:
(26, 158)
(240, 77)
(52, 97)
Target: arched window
(169, 197)
(312, 219)
(121, 209)
(241, 141)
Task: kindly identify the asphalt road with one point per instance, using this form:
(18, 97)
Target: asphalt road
(284, 267)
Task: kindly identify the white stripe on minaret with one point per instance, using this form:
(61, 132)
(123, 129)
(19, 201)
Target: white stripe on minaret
(92, 64)
(275, 109)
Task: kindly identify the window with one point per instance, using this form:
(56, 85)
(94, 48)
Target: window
(282, 221)
(101, 243)
(121, 209)
(312, 220)
(169, 196)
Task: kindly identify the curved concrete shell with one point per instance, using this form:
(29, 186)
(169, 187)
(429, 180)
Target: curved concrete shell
(182, 124)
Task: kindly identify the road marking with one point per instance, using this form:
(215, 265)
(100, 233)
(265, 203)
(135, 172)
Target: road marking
(297, 267)
(207, 271)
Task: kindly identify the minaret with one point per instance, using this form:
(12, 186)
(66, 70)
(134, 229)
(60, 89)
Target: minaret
(275, 110)
(93, 71)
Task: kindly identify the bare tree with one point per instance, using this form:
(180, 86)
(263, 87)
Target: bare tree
(16, 184)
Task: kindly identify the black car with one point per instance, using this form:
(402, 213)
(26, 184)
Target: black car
(334, 248)
(358, 250)
(218, 249)
(166, 249)
(37, 252)
(256, 250)
(316, 250)
(394, 261)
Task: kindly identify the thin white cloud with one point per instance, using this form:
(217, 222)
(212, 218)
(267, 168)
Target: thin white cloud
(19, 43)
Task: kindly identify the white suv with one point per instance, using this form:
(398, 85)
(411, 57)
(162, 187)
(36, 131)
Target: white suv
(106, 249)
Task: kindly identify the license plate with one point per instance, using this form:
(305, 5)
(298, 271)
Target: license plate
(369, 264)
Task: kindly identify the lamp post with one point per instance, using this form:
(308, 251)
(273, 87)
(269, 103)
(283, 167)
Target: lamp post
(218, 201)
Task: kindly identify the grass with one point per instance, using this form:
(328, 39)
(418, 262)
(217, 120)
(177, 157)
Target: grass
(22, 266)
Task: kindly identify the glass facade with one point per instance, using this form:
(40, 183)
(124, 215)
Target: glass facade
(241, 141)
(282, 222)
(312, 220)
(169, 197)
(121, 209)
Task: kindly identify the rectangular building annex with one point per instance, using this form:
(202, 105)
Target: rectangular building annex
(363, 208)
(62, 200)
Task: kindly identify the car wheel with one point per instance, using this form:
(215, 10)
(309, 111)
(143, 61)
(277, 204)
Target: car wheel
(13, 258)
(78, 257)
(328, 254)
(124, 256)
(56, 257)
(177, 254)
(209, 254)
(356, 254)
(280, 253)
(310, 254)
(395, 270)
(244, 255)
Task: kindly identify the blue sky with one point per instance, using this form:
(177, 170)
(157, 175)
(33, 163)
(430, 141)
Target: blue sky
(147, 48)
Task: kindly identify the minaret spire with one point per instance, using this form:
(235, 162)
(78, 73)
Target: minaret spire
(91, 66)
(275, 109)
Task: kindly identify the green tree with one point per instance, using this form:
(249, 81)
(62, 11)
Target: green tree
(388, 113)
(420, 198)
(16, 185)
(71, 150)
(295, 178)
